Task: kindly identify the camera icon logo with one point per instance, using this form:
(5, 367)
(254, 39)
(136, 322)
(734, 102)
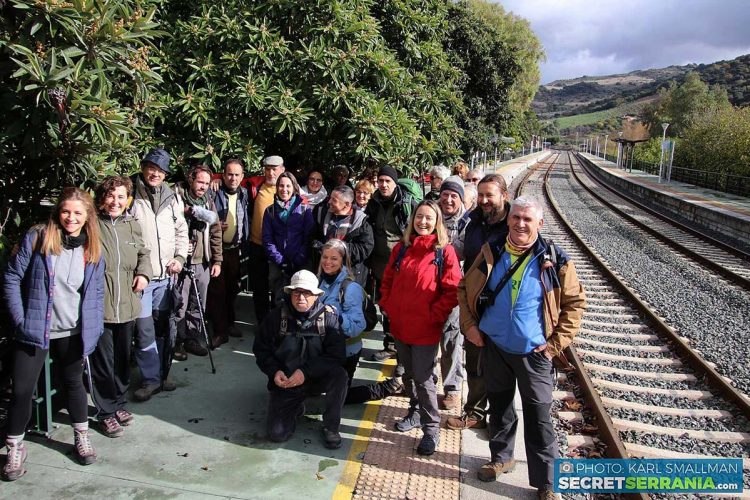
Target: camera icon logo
(566, 467)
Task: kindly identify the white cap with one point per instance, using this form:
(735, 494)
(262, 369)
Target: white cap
(304, 280)
(273, 161)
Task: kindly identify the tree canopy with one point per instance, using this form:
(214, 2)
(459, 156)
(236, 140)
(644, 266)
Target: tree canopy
(87, 86)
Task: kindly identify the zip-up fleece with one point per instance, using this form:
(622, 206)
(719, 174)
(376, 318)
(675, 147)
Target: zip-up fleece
(125, 256)
(564, 297)
(165, 232)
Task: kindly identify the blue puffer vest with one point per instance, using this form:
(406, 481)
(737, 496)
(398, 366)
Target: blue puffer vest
(29, 289)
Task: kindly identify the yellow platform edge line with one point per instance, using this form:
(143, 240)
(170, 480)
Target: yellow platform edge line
(348, 481)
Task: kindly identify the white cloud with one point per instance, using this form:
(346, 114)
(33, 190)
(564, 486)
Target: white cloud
(608, 36)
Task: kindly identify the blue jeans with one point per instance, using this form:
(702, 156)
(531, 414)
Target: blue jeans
(153, 324)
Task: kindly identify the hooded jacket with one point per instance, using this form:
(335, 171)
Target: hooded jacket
(29, 288)
(563, 297)
(416, 305)
(125, 257)
(165, 231)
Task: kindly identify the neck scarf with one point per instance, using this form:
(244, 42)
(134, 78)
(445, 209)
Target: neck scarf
(70, 242)
(517, 249)
(286, 207)
(201, 201)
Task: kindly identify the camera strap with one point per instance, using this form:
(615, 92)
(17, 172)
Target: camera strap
(508, 274)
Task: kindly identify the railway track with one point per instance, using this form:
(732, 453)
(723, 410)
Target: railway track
(650, 393)
(731, 263)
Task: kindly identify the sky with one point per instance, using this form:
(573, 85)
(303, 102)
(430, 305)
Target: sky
(606, 37)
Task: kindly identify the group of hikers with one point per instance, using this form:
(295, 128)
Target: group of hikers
(139, 267)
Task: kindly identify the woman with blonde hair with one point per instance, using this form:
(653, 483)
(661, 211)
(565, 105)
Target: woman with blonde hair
(418, 292)
(54, 291)
(363, 190)
(460, 169)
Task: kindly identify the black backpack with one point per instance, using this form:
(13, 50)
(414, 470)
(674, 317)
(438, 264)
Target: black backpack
(368, 306)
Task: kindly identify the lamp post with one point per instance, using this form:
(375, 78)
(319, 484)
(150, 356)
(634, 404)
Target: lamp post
(664, 126)
(619, 149)
(597, 146)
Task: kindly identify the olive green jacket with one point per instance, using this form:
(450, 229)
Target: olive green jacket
(125, 257)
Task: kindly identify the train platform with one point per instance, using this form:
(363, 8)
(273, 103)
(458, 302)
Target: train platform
(515, 168)
(725, 215)
(207, 440)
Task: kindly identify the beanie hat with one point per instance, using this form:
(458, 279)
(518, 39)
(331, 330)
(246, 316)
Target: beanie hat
(159, 157)
(389, 171)
(453, 183)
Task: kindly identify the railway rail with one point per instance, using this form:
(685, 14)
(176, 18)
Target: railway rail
(727, 261)
(650, 392)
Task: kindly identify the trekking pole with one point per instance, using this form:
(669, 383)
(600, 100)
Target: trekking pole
(209, 347)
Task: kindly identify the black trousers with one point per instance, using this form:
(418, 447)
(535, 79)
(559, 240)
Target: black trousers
(535, 376)
(361, 393)
(67, 356)
(110, 368)
(223, 291)
(259, 281)
(286, 405)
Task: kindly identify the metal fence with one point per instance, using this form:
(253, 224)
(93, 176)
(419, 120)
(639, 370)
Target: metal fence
(726, 183)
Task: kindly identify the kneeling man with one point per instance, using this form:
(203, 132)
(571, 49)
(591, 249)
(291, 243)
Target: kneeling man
(301, 348)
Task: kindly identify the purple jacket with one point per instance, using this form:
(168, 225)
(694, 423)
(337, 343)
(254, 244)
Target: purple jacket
(288, 242)
(28, 288)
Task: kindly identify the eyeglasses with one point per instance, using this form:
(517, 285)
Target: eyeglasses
(474, 179)
(305, 293)
(314, 179)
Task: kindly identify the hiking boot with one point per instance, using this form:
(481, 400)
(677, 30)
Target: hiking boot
(547, 493)
(193, 347)
(13, 468)
(179, 353)
(428, 444)
(491, 470)
(451, 401)
(110, 427)
(409, 422)
(145, 392)
(393, 386)
(124, 417)
(466, 422)
(383, 355)
(234, 331)
(168, 385)
(84, 450)
(218, 340)
(332, 439)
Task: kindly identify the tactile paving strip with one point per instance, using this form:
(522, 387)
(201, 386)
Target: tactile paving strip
(391, 467)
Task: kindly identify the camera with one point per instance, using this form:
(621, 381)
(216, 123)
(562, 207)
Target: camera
(484, 300)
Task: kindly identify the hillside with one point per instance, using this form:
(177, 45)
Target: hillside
(590, 94)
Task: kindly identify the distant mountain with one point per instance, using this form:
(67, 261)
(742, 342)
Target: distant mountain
(589, 94)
